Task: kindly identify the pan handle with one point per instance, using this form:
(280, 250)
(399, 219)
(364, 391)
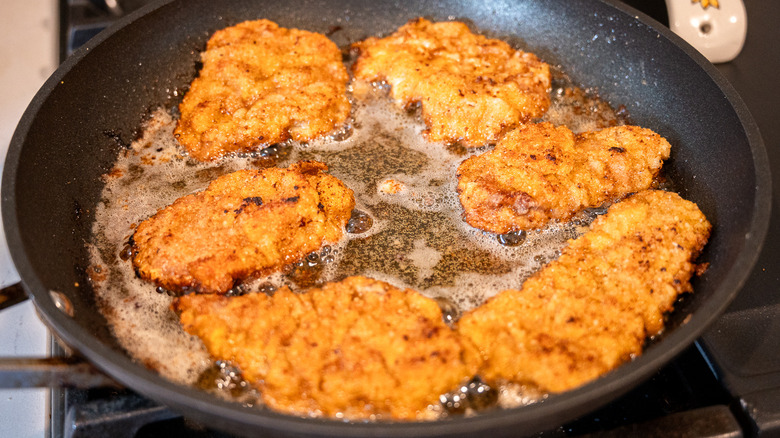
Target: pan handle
(64, 372)
(12, 295)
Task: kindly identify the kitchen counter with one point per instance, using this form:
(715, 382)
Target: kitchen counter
(28, 49)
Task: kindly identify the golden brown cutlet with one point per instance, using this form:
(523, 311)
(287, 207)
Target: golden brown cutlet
(540, 173)
(245, 224)
(592, 309)
(359, 348)
(262, 84)
(471, 88)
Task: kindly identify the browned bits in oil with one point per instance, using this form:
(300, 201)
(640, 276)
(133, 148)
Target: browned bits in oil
(343, 133)
(162, 290)
(414, 109)
(475, 394)
(96, 274)
(237, 290)
(307, 272)
(271, 156)
(458, 149)
(388, 250)
(332, 30)
(592, 213)
(222, 377)
(580, 109)
(454, 402)
(513, 238)
(359, 222)
(623, 117)
(211, 173)
(481, 395)
(126, 253)
(266, 288)
(306, 277)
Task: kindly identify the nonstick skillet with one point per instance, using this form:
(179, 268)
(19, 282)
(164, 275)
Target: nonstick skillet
(93, 105)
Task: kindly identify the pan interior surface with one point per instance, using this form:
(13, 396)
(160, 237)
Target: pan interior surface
(92, 108)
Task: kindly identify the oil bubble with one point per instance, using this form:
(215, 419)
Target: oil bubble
(450, 311)
(513, 238)
(475, 395)
(359, 222)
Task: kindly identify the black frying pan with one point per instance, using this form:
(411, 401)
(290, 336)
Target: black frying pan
(93, 105)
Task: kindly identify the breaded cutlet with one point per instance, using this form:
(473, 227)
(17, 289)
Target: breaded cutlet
(262, 84)
(354, 349)
(471, 89)
(246, 223)
(540, 173)
(593, 308)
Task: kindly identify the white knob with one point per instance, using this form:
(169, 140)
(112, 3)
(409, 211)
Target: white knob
(716, 28)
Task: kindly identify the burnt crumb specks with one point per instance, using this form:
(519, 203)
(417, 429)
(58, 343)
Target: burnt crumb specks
(77, 210)
(116, 136)
(254, 200)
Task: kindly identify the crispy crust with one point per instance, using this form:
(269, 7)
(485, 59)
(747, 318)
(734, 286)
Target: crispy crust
(359, 348)
(262, 84)
(471, 88)
(539, 173)
(244, 224)
(592, 309)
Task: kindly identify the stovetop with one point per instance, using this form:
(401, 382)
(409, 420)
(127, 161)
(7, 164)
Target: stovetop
(745, 341)
(726, 385)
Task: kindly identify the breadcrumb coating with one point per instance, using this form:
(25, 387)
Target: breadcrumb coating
(540, 173)
(246, 223)
(592, 309)
(262, 84)
(471, 88)
(356, 349)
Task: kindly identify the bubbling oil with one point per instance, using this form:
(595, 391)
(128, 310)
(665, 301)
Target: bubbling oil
(411, 235)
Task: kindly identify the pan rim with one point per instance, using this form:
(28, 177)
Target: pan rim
(134, 375)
